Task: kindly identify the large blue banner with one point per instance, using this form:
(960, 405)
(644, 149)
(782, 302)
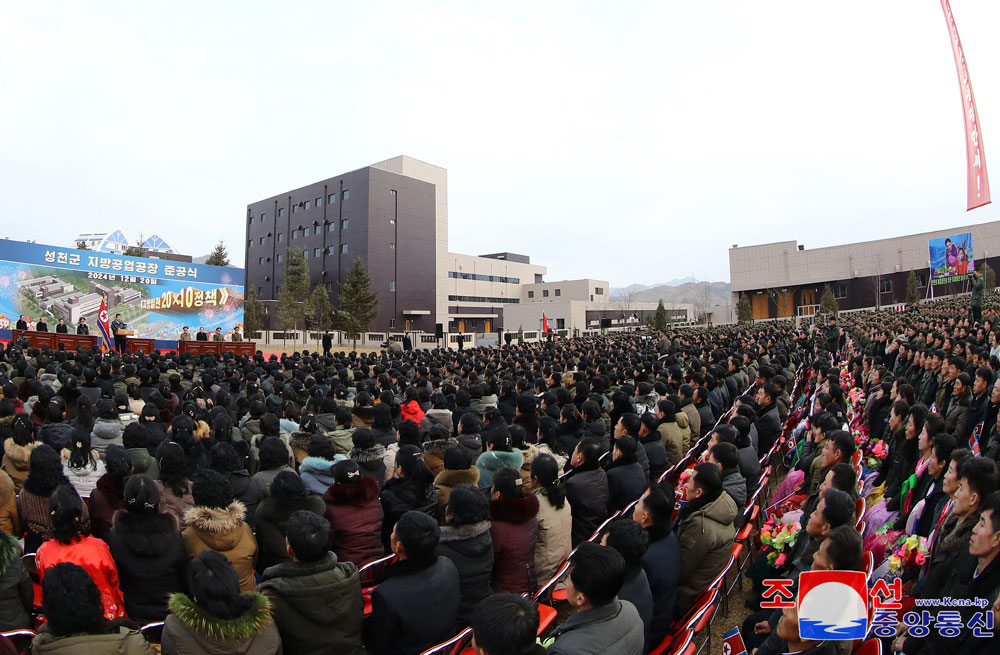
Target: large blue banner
(156, 297)
(951, 258)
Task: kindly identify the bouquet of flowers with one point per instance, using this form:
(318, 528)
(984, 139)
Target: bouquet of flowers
(911, 550)
(780, 537)
(877, 452)
(681, 491)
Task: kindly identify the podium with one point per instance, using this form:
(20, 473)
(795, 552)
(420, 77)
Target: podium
(134, 344)
(124, 332)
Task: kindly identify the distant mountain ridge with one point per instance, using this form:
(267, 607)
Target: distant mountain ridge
(678, 291)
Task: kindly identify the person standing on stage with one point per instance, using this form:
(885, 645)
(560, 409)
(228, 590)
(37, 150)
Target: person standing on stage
(185, 334)
(236, 336)
(202, 335)
(217, 335)
(118, 324)
(61, 327)
(40, 325)
(81, 327)
(21, 323)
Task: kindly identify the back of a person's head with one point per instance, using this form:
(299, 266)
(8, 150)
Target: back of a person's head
(223, 458)
(308, 536)
(273, 453)
(118, 461)
(467, 505)
(505, 624)
(287, 486)
(211, 489)
(708, 478)
(321, 446)
(409, 433)
(839, 507)
(135, 435)
(629, 539)
(457, 458)
(418, 534)
(658, 505)
(45, 467)
(590, 449)
(141, 495)
(726, 455)
(66, 510)
(71, 601)
(597, 572)
(215, 586)
(844, 548)
(508, 483)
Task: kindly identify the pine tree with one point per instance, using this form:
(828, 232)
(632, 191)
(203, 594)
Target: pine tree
(219, 256)
(294, 290)
(828, 302)
(660, 317)
(744, 312)
(912, 290)
(358, 304)
(82, 245)
(319, 309)
(253, 314)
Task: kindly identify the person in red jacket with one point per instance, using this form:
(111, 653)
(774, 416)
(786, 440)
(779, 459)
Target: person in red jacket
(411, 409)
(355, 514)
(514, 530)
(69, 544)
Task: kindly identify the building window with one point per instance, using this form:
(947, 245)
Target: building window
(344, 224)
(332, 198)
(531, 294)
(343, 248)
(260, 261)
(921, 279)
(840, 291)
(305, 254)
(308, 204)
(545, 293)
(281, 212)
(317, 252)
(281, 237)
(318, 229)
(591, 297)
(295, 235)
(295, 209)
(483, 278)
(260, 291)
(885, 285)
(281, 258)
(392, 192)
(599, 291)
(347, 194)
(319, 202)
(558, 292)
(392, 245)
(560, 323)
(262, 241)
(392, 322)
(392, 286)
(392, 221)
(263, 217)
(329, 286)
(250, 243)
(502, 301)
(332, 227)
(277, 290)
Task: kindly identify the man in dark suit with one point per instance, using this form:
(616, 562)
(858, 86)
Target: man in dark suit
(61, 327)
(81, 327)
(41, 325)
(327, 344)
(202, 335)
(21, 323)
(118, 324)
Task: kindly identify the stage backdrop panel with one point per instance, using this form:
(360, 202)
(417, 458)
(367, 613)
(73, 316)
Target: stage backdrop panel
(951, 258)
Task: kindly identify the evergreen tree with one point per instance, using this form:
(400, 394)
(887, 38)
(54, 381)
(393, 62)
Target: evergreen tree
(219, 256)
(744, 312)
(828, 302)
(294, 290)
(253, 314)
(358, 304)
(660, 317)
(989, 278)
(912, 290)
(82, 245)
(319, 309)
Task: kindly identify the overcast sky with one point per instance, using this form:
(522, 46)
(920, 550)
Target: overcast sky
(634, 142)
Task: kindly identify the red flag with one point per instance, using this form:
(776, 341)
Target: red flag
(102, 323)
(978, 180)
(545, 324)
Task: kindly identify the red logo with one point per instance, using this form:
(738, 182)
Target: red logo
(103, 317)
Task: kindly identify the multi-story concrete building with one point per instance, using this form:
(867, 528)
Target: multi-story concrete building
(784, 279)
(393, 215)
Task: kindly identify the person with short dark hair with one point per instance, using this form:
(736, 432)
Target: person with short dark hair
(71, 543)
(662, 559)
(505, 624)
(602, 624)
(216, 617)
(632, 541)
(458, 469)
(768, 419)
(727, 458)
(315, 599)
(216, 523)
(466, 541)
(411, 488)
(626, 479)
(75, 622)
(705, 534)
(417, 606)
(587, 489)
(288, 495)
(108, 496)
(354, 512)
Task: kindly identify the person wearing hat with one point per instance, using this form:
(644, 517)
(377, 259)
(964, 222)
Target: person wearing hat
(355, 514)
(411, 488)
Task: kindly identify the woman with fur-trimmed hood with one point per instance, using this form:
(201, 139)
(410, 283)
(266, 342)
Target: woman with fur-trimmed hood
(458, 469)
(355, 514)
(368, 455)
(216, 523)
(439, 440)
(17, 450)
(216, 618)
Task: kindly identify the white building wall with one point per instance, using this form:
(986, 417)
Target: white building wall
(585, 290)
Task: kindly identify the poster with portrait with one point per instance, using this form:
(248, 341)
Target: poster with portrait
(951, 258)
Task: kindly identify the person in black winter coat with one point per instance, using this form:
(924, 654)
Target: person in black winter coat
(469, 436)
(651, 443)
(148, 551)
(631, 541)
(595, 426)
(570, 428)
(416, 607)
(587, 490)
(626, 480)
(368, 455)
(16, 592)
(662, 560)
(247, 490)
(768, 421)
(466, 541)
(704, 410)
(411, 488)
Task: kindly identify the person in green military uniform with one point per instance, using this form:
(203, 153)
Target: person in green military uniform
(976, 302)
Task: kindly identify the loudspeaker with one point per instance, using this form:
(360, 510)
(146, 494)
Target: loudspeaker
(438, 330)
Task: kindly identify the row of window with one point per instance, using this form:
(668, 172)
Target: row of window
(306, 204)
(484, 278)
(884, 286)
(513, 301)
(545, 293)
(304, 232)
(316, 253)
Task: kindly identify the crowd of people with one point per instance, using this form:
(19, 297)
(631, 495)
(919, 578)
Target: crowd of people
(383, 503)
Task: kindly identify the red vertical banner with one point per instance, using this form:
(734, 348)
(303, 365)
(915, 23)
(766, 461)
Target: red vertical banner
(978, 180)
